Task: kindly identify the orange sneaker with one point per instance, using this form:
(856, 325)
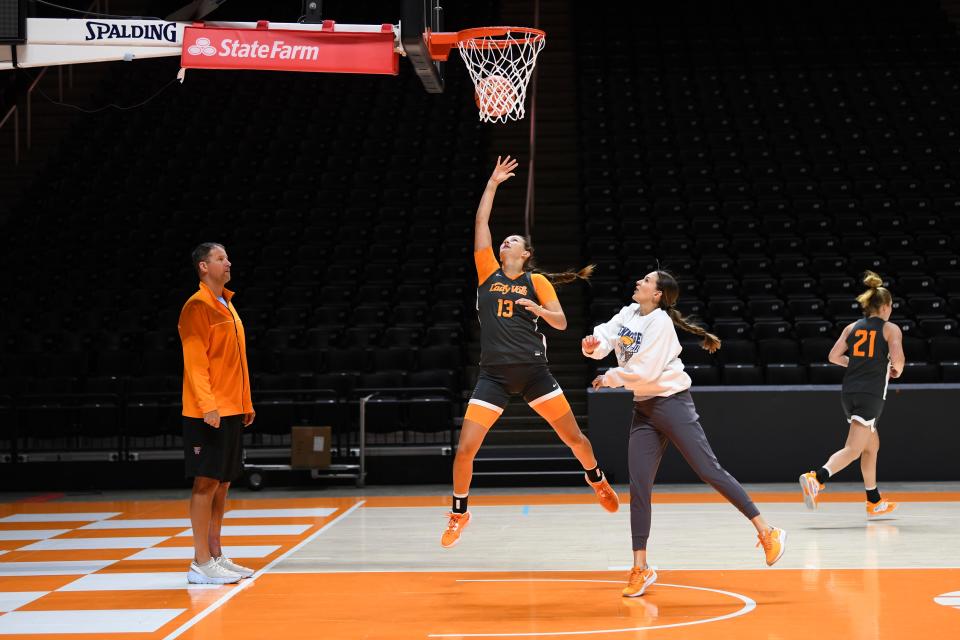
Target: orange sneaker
(455, 526)
(639, 581)
(773, 542)
(880, 509)
(605, 494)
(811, 488)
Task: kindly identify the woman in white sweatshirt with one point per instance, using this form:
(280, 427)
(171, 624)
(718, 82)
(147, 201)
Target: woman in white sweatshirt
(644, 337)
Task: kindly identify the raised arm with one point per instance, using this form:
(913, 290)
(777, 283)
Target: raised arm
(840, 348)
(481, 227)
(894, 337)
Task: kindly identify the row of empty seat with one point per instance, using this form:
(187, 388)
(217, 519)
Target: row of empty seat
(346, 206)
(768, 155)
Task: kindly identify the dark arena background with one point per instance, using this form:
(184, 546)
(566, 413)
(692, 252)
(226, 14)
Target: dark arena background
(767, 154)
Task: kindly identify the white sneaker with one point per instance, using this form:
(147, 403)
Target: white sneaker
(811, 488)
(211, 573)
(230, 565)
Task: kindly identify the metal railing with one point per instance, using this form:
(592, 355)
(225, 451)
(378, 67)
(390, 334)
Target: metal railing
(66, 440)
(123, 435)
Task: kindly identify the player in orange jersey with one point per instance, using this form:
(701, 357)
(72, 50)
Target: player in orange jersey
(511, 299)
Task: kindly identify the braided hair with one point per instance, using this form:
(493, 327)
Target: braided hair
(670, 291)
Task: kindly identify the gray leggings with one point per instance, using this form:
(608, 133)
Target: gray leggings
(657, 422)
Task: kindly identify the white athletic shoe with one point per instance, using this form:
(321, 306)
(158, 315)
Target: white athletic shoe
(230, 565)
(811, 488)
(211, 573)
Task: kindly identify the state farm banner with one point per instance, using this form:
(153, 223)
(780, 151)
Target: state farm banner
(327, 50)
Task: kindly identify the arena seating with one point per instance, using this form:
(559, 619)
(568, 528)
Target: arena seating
(768, 154)
(348, 218)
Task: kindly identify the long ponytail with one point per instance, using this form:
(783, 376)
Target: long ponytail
(710, 342)
(566, 277)
(563, 277)
(670, 292)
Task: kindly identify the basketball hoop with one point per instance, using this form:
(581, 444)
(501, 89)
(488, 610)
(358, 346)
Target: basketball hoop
(500, 61)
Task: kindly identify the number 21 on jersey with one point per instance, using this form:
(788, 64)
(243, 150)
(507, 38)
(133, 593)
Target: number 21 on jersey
(863, 336)
(504, 308)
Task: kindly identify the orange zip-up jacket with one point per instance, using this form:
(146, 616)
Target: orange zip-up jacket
(215, 374)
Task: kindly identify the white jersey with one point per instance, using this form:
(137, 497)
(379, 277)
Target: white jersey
(647, 350)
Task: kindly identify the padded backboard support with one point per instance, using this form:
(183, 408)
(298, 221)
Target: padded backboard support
(418, 16)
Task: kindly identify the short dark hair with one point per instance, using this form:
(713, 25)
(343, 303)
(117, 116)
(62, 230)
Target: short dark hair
(202, 252)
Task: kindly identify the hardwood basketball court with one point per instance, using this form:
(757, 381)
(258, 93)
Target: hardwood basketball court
(530, 565)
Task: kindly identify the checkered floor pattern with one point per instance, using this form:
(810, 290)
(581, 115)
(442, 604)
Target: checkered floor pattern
(120, 568)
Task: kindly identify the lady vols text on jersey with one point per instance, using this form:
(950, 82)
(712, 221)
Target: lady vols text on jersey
(511, 301)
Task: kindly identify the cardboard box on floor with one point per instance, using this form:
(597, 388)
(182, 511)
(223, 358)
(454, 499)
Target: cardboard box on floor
(310, 448)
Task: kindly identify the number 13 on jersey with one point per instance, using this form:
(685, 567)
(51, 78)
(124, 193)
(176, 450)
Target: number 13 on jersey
(504, 308)
(863, 336)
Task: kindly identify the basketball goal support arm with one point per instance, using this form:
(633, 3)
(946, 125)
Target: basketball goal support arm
(60, 41)
(420, 18)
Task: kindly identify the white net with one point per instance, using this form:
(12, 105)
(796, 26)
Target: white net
(500, 67)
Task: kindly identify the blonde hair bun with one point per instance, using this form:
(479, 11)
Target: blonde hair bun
(872, 280)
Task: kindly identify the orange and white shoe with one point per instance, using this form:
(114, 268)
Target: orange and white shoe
(774, 542)
(879, 510)
(605, 494)
(811, 488)
(455, 526)
(639, 581)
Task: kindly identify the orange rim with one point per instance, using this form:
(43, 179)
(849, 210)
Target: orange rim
(483, 34)
(441, 42)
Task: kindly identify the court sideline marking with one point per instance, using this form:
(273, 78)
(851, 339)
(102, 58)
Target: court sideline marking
(246, 583)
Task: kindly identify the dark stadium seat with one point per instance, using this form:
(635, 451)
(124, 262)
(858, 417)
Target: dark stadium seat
(800, 208)
(742, 374)
(767, 157)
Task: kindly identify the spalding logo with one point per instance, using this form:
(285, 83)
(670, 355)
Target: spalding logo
(137, 31)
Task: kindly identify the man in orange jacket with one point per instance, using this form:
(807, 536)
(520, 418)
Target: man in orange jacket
(216, 408)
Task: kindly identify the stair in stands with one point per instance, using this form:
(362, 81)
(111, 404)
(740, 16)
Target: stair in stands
(526, 465)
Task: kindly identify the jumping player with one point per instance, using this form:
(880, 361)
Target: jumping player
(644, 336)
(871, 349)
(511, 299)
